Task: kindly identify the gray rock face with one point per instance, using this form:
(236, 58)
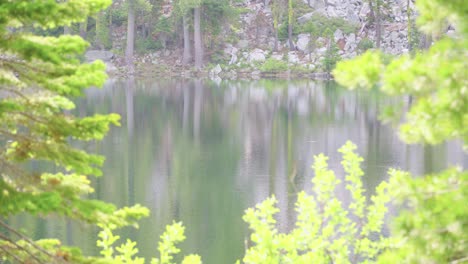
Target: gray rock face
(303, 42)
(352, 17)
(293, 57)
(315, 3)
(257, 55)
(303, 19)
(216, 70)
(110, 68)
(277, 56)
(243, 43)
(338, 35)
(104, 55)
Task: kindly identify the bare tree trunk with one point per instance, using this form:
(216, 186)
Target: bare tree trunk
(372, 13)
(130, 35)
(83, 28)
(425, 42)
(378, 24)
(66, 30)
(410, 30)
(187, 56)
(290, 26)
(197, 38)
(276, 40)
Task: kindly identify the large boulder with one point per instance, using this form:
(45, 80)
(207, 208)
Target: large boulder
(293, 57)
(216, 70)
(303, 42)
(257, 55)
(338, 34)
(104, 55)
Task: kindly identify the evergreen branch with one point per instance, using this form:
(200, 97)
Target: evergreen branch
(5, 238)
(25, 239)
(11, 254)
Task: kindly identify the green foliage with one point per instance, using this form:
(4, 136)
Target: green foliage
(326, 231)
(37, 75)
(126, 252)
(174, 234)
(322, 26)
(274, 65)
(103, 37)
(434, 227)
(119, 16)
(365, 44)
(331, 57)
(299, 69)
(283, 31)
(143, 45)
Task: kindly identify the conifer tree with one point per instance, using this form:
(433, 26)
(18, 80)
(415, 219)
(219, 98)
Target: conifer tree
(38, 75)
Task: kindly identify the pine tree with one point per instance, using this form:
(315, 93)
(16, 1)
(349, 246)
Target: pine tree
(38, 75)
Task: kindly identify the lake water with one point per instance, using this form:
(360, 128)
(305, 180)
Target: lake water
(202, 152)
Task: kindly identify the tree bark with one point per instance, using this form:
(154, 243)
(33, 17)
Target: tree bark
(187, 56)
(275, 48)
(290, 26)
(197, 38)
(130, 34)
(83, 28)
(378, 23)
(67, 30)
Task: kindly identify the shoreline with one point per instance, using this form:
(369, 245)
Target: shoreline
(230, 74)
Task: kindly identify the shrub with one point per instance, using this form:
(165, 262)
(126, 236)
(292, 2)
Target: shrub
(274, 65)
(325, 231)
(365, 44)
(331, 57)
(143, 45)
(320, 26)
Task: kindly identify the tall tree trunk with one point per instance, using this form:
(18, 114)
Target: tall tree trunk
(83, 28)
(276, 40)
(187, 56)
(410, 25)
(378, 24)
(425, 42)
(67, 30)
(197, 38)
(130, 34)
(290, 25)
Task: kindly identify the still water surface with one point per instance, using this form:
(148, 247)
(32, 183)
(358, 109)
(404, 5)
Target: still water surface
(202, 152)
